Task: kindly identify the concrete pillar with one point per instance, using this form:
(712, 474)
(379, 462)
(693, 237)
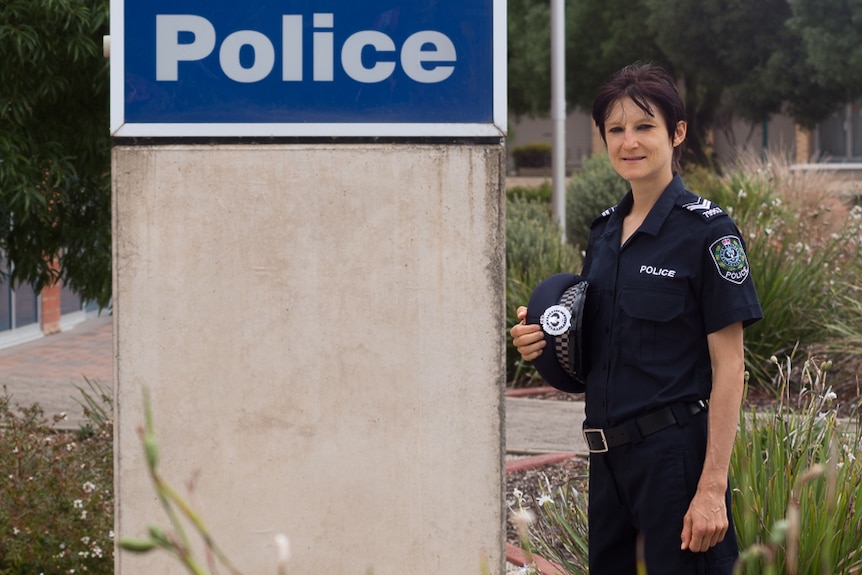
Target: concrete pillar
(321, 329)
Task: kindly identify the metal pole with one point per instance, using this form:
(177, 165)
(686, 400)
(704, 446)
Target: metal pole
(558, 112)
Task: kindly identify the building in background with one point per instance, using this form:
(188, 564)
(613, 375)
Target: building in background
(836, 143)
(26, 315)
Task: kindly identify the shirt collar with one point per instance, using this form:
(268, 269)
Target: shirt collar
(659, 212)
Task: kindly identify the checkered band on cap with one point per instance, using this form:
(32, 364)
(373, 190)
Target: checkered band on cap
(567, 344)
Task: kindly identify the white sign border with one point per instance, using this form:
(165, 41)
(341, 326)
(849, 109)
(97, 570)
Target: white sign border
(121, 129)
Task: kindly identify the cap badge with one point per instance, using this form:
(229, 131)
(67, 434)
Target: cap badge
(556, 320)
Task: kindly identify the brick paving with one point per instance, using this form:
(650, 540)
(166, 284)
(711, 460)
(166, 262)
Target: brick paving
(46, 371)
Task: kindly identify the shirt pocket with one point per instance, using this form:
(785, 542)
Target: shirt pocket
(649, 334)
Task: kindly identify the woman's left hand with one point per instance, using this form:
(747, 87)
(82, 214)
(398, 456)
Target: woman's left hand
(705, 524)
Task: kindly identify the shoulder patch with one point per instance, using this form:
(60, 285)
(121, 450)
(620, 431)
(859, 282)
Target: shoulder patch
(603, 216)
(704, 207)
(730, 260)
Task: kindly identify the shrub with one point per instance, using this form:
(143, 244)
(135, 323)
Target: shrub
(590, 192)
(533, 155)
(534, 251)
(803, 246)
(796, 473)
(57, 492)
(798, 483)
(540, 193)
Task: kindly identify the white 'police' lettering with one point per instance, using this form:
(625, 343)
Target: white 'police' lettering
(427, 56)
(654, 271)
(736, 277)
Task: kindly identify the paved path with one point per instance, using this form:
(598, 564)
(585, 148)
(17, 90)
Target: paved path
(47, 370)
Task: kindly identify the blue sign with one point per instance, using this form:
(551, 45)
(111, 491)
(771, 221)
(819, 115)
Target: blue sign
(321, 68)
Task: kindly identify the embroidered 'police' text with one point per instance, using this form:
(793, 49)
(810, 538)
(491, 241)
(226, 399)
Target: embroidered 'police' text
(654, 271)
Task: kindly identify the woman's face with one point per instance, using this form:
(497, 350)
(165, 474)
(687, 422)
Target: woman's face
(638, 144)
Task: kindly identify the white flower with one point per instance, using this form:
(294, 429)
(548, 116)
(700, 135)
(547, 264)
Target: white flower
(831, 396)
(85, 540)
(523, 517)
(97, 552)
(78, 504)
(89, 487)
(545, 498)
(84, 514)
(282, 546)
(15, 531)
(519, 496)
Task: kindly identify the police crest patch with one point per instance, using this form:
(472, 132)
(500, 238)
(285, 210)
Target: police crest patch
(730, 259)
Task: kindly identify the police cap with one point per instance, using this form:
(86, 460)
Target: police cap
(557, 304)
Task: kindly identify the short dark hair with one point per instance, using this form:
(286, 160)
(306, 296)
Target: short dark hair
(647, 85)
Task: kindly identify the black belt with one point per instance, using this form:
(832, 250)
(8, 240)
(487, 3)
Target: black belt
(601, 440)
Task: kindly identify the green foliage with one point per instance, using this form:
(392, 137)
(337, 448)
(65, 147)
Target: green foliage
(534, 251)
(749, 60)
(57, 493)
(561, 531)
(796, 472)
(798, 483)
(803, 254)
(590, 192)
(536, 194)
(829, 28)
(533, 155)
(529, 57)
(846, 329)
(55, 173)
(602, 36)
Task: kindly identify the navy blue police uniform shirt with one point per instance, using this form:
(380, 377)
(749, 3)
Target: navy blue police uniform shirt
(651, 303)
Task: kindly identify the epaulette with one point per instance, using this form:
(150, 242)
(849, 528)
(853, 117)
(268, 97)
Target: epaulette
(707, 209)
(604, 215)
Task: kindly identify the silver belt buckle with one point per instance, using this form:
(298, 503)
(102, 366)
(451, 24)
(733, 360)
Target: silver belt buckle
(601, 433)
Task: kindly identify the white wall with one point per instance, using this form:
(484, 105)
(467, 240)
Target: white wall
(321, 329)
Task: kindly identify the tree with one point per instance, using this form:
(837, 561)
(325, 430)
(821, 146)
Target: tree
(529, 57)
(54, 144)
(733, 58)
(829, 39)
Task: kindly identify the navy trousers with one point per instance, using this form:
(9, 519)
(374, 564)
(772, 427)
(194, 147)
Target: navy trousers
(643, 489)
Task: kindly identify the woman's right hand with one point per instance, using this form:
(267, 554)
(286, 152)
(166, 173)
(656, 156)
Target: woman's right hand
(528, 339)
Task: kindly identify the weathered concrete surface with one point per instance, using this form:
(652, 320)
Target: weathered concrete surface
(321, 331)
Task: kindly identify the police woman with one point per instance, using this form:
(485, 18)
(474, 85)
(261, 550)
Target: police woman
(669, 294)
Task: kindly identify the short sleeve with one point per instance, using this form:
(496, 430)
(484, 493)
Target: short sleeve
(728, 294)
